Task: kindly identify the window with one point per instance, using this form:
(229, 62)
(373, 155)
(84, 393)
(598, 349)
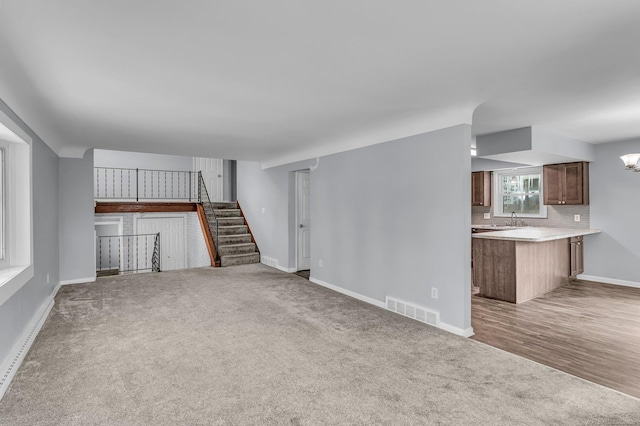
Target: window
(3, 260)
(16, 223)
(519, 191)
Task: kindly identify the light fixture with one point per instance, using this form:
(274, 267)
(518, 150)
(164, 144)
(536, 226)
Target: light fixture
(474, 152)
(631, 162)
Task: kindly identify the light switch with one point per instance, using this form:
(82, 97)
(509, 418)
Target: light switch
(263, 210)
(487, 215)
(576, 218)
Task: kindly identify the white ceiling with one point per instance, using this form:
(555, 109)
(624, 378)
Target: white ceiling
(282, 80)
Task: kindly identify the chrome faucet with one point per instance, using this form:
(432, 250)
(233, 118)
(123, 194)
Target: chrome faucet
(514, 220)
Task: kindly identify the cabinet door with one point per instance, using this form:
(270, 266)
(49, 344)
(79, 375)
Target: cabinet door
(553, 183)
(481, 189)
(577, 256)
(573, 183)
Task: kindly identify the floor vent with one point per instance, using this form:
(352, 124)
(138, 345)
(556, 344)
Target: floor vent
(269, 261)
(419, 313)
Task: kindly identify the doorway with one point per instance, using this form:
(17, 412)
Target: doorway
(303, 222)
(108, 254)
(212, 171)
(172, 238)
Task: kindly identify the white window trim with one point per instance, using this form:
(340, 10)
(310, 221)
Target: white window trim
(497, 209)
(18, 269)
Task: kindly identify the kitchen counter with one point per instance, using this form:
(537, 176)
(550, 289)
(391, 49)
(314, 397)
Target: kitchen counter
(532, 234)
(519, 264)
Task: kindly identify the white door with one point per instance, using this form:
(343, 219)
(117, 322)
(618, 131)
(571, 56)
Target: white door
(303, 224)
(172, 246)
(211, 169)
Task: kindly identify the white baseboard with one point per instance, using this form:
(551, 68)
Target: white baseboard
(11, 364)
(608, 280)
(283, 269)
(349, 293)
(464, 332)
(468, 332)
(270, 261)
(78, 281)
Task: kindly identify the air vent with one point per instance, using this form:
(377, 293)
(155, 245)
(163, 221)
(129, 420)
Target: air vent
(391, 304)
(419, 313)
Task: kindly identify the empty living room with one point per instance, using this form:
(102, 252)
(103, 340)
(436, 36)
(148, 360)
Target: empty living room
(229, 212)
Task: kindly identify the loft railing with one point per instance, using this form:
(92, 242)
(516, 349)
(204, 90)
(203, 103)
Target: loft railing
(118, 254)
(209, 211)
(146, 184)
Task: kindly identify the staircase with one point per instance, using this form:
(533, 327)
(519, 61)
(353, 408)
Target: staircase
(236, 245)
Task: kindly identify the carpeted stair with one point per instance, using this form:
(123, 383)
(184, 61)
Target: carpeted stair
(235, 244)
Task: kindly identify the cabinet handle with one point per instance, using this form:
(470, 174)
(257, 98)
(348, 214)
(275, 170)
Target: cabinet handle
(559, 202)
(481, 203)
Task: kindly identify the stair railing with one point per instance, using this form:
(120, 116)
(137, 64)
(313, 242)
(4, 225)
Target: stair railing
(209, 211)
(144, 184)
(118, 254)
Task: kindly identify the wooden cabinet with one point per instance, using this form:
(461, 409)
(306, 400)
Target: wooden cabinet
(577, 256)
(481, 189)
(566, 184)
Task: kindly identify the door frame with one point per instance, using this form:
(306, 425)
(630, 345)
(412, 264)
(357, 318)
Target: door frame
(182, 216)
(296, 222)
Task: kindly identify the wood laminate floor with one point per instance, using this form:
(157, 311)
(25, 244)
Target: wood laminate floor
(590, 330)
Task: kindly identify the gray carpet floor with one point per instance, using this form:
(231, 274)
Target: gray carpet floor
(252, 345)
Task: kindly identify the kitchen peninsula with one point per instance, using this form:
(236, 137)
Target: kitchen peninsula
(519, 264)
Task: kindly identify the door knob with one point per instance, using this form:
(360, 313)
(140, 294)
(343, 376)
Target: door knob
(301, 226)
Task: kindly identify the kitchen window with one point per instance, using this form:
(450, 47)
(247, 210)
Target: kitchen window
(519, 191)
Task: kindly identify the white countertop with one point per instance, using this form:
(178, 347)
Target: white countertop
(534, 234)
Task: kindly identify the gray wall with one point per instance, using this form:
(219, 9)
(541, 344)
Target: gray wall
(389, 219)
(482, 164)
(76, 213)
(615, 208)
(17, 312)
(132, 160)
(274, 190)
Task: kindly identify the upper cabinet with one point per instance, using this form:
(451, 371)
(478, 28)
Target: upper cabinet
(481, 189)
(566, 184)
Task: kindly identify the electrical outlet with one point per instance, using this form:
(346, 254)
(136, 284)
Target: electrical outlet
(263, 210)
(434, 293)
(576, 218)
(487, 215)
(320, 263)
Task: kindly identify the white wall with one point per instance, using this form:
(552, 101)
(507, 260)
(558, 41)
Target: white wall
(133, 160)
(389, 219)
(615, 208)
(19, 309)
(197, 253)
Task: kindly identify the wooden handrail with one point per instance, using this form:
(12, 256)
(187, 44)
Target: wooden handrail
(211, 248)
